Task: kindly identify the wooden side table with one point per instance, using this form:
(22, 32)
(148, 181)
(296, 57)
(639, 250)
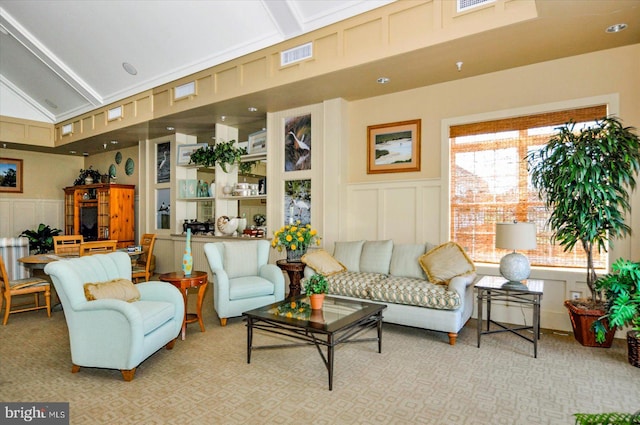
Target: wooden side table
(195, 280)
(295, 270)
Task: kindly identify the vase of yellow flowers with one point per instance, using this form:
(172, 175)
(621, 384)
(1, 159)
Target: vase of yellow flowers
(295, 239)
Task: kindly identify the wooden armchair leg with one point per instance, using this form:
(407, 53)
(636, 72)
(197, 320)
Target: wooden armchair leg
(170, 344)
(128, 374)
(452, 338)
(75, 368)
(223, 321)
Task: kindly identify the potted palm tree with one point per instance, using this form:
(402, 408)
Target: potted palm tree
(585, 178)
(621, 288)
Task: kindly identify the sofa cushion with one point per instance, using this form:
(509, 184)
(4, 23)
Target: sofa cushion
(376, 256)
(241, 258)
(119, 289)
(445, 262)
(348, 253)
(353, 284)
(154, 314)
(405, 261)
(322, 262)
(418, 292)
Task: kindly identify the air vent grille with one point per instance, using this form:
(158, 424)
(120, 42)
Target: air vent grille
(470, 4)
(296, 54)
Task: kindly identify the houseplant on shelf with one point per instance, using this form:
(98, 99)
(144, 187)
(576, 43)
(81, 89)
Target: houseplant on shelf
(316, 287)
(41, 239)
(585, 178)
(295, 238)
(88, 176)
(621, 288)
(222, 153)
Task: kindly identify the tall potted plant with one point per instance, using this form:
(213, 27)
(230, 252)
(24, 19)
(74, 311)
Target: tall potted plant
(41, 239)
(585, 178)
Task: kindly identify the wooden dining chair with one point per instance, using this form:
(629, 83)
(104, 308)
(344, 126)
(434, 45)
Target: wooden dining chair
(30, 285)
(142, 269)
(97, 247)
(67, 244)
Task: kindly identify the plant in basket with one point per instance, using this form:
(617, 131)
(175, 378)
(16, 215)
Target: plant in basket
(295, 238)
(621, 288)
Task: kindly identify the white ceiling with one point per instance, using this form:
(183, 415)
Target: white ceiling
(70, 54)
(65, 58)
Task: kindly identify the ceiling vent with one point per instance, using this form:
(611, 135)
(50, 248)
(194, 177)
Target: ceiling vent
(470, 4)
(296, 54)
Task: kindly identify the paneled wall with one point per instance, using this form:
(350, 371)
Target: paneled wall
(17, 215)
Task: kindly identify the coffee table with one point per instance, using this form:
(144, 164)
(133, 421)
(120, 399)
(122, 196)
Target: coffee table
(339, 321)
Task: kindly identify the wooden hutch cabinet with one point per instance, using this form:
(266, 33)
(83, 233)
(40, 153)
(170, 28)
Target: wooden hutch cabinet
(101, 211)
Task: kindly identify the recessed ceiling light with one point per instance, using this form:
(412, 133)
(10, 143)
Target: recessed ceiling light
(252, 109)
(383, 80)
(129, 68)
(72, 152)
(85, 153)
(616, 28)
(51, 104)
(169, 128)
(223, 118)
(114, 142)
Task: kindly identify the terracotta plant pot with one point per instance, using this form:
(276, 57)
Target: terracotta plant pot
(316, 301)
(582, 319)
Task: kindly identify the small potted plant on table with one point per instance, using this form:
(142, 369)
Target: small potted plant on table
(316, 287)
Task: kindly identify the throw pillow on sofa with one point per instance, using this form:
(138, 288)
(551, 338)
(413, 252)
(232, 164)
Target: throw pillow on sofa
(322, 262)
(446, 261)
(119, 289)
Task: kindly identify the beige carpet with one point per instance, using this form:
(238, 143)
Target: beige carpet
(418, 378)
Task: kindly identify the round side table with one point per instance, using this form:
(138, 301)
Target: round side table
(295, 271)
(183, 283)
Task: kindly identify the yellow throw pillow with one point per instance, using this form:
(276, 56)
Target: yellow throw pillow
(119, 289)
(322, 262)
(446, 261)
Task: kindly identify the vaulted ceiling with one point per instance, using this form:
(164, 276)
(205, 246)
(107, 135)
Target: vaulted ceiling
(64, 58)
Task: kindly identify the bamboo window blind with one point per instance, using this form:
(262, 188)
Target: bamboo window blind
(490, 184)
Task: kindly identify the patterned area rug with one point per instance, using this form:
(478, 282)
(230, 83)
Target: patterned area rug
(418, 378)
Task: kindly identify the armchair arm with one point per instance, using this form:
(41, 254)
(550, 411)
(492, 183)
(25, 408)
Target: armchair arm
(160, 291)
(460, 284)
(221, 293)
(272, 273)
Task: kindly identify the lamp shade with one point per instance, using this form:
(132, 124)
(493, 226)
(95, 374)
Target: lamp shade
(516, 236)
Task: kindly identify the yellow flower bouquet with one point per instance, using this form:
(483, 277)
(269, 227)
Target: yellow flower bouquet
(295, 237)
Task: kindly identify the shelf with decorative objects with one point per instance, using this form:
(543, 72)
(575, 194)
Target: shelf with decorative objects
(198, 199)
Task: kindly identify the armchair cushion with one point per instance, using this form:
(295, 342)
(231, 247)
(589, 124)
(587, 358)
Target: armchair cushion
(240, 259)
(154, 314)
(120, 289)
(249, 287)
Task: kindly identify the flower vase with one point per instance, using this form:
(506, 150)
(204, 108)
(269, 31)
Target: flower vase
(316, 301)
(295, 255)
(187, 258)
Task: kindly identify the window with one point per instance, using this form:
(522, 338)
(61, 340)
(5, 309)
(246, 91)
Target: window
(490, 184)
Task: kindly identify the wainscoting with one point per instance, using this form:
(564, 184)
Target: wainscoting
(18, 215)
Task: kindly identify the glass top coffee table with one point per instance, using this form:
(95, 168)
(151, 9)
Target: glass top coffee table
(339, 321)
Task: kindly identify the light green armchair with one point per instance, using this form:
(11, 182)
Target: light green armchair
(111, 333)
(242, 278)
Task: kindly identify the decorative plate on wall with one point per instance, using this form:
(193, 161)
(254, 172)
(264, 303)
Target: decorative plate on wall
(128, 166)
(112, 170)
(118, 157)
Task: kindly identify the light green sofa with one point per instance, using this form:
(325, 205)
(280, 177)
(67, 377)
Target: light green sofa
(381, 271)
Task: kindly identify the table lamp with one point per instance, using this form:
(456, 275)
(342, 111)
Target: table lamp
(516, 236)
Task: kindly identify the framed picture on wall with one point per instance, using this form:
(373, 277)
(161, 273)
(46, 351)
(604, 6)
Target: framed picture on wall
(297, 201)
(185, 151)
(258, 142)
(297, 143)
(10, 175)
(163, 162)
(394, 147)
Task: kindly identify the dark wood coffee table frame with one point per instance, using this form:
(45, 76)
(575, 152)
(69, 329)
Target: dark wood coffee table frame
(341, 331)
